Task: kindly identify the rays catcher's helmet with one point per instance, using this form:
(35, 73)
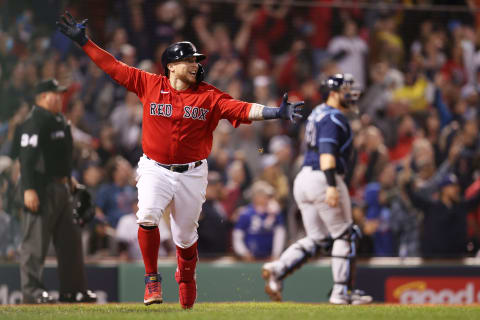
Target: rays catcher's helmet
(83, 209)
(182, 50)
(341, 81)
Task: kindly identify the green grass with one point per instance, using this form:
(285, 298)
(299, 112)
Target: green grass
(238, 311)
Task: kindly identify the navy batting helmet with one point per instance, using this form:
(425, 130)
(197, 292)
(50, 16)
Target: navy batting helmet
(178, 51)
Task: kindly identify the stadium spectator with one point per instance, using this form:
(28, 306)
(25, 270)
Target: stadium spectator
(233, 195)
(373, 156)
(349, 51)
(260, 232)
(214, 228)
(272, 174)
(115, 198)
(445, 222)
(126, 121)
(379, 215)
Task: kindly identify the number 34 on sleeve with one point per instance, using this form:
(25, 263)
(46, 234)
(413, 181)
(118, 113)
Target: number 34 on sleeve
(27, 140)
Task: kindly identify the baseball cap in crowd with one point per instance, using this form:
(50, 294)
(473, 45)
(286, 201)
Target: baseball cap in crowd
(49, 85)
(449, 179)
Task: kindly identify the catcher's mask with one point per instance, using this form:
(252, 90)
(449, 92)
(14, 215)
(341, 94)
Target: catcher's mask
(83, 209)
(182, 50)
(345, 85)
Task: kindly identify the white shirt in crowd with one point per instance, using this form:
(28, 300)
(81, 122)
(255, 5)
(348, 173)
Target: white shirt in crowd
(354, 60)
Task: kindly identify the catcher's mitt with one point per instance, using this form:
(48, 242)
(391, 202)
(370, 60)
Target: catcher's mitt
(83, 208)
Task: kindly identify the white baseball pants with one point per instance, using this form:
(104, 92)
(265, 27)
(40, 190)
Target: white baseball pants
(158, 187)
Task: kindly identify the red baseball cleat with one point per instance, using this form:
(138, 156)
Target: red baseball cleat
(153, 289)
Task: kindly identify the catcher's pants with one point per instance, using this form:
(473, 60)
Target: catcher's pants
(320, 220)
(53, 220)
(158, 187)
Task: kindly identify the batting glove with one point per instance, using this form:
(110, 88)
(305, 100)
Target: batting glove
(72, 29)
(287, 110)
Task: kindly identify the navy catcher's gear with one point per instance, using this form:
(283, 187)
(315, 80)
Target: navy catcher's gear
(351, 236)
(341, 81)
(83, 209)
(182, 50)
(301, 251)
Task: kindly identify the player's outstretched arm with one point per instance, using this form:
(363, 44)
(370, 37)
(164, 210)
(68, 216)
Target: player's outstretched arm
(125, 75)
(287, 111)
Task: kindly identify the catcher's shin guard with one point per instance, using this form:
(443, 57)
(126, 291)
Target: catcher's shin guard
(293, 258)
(298, 254)
(344, 254)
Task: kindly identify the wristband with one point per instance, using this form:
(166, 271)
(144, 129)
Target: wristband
(330, 175)
(270, 113)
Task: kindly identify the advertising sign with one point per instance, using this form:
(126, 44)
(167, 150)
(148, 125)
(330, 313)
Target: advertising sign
(434, 290)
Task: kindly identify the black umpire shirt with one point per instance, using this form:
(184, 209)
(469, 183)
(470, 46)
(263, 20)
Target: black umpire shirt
(44, 145)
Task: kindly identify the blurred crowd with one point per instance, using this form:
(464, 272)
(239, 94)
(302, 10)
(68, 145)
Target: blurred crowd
(415, 177)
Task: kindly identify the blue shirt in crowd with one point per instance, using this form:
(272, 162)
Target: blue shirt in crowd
(115, 201)
(258, 228)
(383, 240)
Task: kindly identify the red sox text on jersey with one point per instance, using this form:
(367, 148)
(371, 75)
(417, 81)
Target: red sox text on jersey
(177, 125)
(165, 110)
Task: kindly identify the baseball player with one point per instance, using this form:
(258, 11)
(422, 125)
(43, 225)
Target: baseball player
(180, 113)
(322, 197)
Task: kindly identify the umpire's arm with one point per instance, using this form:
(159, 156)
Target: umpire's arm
(29, 154)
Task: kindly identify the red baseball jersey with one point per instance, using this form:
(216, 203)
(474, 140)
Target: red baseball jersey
(177, 125)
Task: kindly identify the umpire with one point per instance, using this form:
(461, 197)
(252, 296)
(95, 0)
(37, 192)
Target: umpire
(44, 146)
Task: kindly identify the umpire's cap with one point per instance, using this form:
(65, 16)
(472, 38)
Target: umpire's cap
(179, 51)
(49, 85)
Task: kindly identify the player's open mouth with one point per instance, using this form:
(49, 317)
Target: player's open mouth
(193, 73)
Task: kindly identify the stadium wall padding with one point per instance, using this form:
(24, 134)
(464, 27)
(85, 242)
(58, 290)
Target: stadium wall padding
(229, 281)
